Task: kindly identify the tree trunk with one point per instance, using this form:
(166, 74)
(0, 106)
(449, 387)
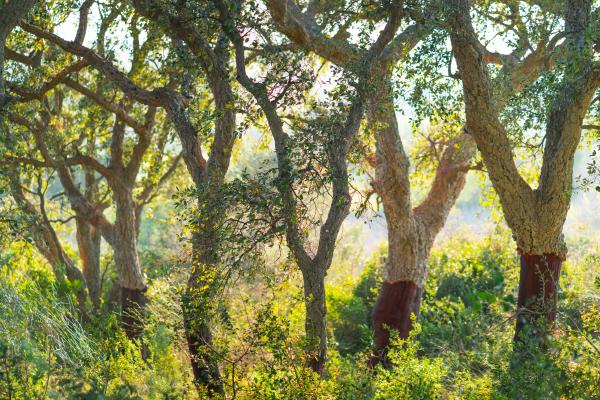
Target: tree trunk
(538, 293)
(204, 364)
(316, 319)
(88, 243)
(10, 15)
(197, 302)
(396, 303)
(411, 231)
(131, 279)
(401, 291)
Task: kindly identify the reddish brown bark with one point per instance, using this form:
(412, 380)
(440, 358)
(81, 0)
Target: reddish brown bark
(392, 312)
(538, 293)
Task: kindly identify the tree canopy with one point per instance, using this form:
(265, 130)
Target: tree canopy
(192, 195)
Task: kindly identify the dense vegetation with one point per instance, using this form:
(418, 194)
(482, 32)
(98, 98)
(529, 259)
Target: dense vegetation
(461, 350)
(289, 199)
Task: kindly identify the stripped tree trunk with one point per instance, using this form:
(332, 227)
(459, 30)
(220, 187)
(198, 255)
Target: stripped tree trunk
(411, 232)
(535, 216)
(538, 294)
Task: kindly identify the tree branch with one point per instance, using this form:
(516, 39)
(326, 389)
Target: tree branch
(119, 78)
(61, 76)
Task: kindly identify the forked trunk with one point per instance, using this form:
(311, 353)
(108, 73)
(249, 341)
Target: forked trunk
(316, 320)
(538, 293)
(411, 231)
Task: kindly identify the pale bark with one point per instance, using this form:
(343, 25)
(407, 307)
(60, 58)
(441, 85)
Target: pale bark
(535, 216)
(126, 254)
(410, 234)
(89, 240)
(88, 244)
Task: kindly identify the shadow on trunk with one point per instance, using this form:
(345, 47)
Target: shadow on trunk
(396, 303)
(538, 294)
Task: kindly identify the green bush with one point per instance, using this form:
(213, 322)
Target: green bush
(462, 347)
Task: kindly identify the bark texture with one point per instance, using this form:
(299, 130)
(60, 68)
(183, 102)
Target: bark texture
(131, 279)
(538, 294)
(411, 232)
(88, 243)
(535, 216)
(205, 369)
(316, 319)
(10, 15)
(392, 313)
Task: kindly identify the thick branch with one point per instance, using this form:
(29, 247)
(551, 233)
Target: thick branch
(83, 21)
(11, 14)
(483, 122)
(303, 30)
(137, 155)
(119, 78)
(448, 182)
(61, 76)
(31, 60)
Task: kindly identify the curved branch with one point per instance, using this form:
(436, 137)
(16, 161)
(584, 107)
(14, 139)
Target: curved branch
(448, 182)
(303, 30)
(61, 76)
(119, 78)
